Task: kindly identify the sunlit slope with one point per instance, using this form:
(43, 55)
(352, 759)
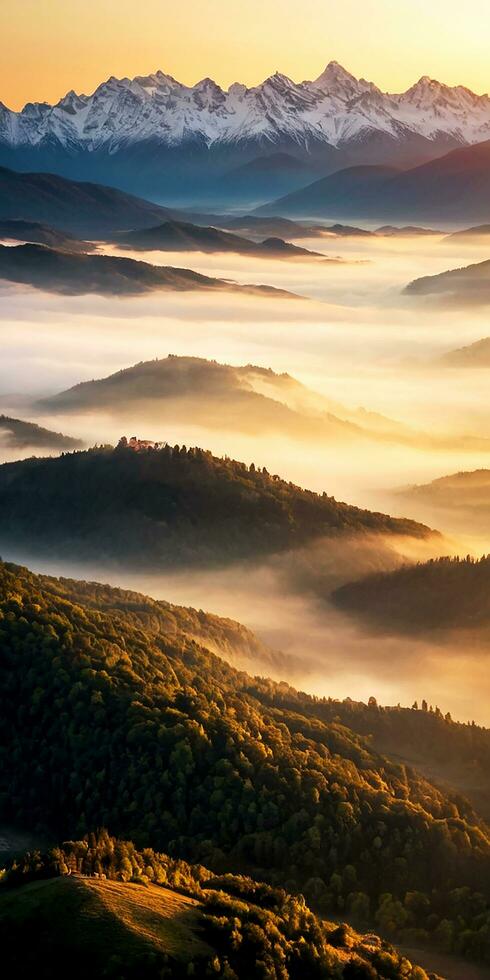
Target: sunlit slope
(475, 355)
(452, 754)
(165, 743)
(219, 396)
(196, 924)
(248, 399)
(91, 923)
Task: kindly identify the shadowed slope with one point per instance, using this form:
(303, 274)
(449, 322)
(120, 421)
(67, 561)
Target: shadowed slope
(18, 434)
(78, 207)
(35, 232)
(179, 236)
(158, 507)
(74, 275)
(441, 594)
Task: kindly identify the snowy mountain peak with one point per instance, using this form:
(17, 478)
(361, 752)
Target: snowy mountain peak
(278, 81)
(335, 109)
(334, 73)
(335, 80)
(207, 84)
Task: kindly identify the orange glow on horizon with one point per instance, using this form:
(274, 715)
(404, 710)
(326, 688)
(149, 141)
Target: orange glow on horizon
(51, 47)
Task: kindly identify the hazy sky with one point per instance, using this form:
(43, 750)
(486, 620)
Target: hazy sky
(51, 46)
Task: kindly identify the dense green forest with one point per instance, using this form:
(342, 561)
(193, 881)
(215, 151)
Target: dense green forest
(453, 754)
(109, 720)
(235, 927)
(173, 505)
(443, 593)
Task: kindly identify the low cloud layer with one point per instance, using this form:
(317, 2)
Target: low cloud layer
(357, 341)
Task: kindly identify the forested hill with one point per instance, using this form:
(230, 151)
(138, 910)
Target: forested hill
(452, 753)
(111, 910)
(171, 505)
(159, 740)
(18, 434)
(441, 594)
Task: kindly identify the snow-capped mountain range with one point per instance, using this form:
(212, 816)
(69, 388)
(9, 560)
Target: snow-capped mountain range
(334, 108)
(326, 123)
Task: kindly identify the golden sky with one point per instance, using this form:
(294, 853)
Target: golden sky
(51, 46)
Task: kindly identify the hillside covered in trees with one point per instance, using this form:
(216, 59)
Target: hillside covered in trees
(18, 434)
(453, 754)
(440, 594)
(159, 507)
(111, 910)
(157, 739)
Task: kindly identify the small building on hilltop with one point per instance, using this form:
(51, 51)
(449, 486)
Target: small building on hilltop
(137, 445)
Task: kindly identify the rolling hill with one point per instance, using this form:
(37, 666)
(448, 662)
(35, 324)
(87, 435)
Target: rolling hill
(74, 275)
(77, 207)
(454, 187)
(166, 744)
(441, 594)
(159, 507)
(224, 637)
(468, 236)
(351, 191)
(406, 231)
(255, 227)
(96, 925)
(463, 287)
(18, 434)
(267, 175)
(189, 923)
(475, 355)
(462, 500)
(253, 399)
(194, 389)
(179, 236)
(35, 232)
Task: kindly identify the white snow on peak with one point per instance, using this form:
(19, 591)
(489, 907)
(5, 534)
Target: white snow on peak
(335, 108)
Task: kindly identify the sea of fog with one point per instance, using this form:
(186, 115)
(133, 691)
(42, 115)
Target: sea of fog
(355, 338)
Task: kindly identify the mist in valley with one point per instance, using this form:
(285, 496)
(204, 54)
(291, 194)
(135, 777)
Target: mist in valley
(356, 340)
